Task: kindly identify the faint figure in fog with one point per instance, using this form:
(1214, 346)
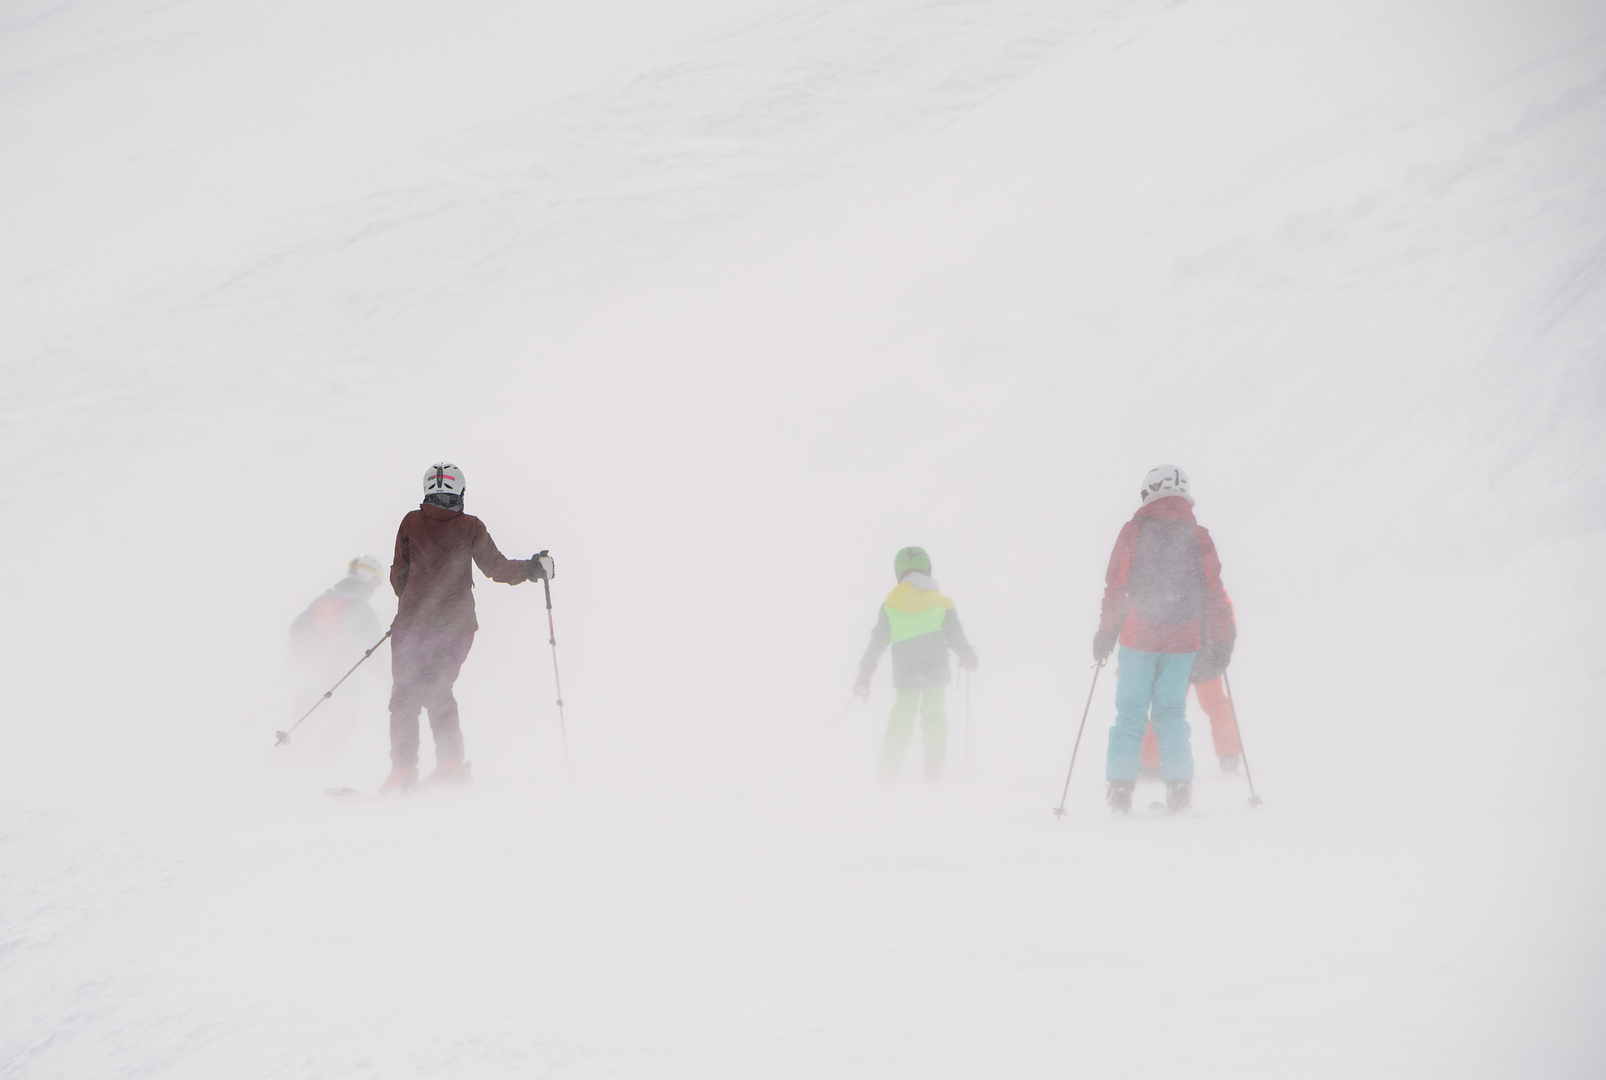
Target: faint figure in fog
(1165, 605)
(327, 639)
(921, 625)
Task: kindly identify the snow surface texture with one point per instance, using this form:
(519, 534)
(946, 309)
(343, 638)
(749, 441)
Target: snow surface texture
(724, 302)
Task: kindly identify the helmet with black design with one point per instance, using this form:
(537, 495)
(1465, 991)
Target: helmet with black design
(1163, 481)
(443, 478)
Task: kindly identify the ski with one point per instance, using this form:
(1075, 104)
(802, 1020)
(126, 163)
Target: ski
(1155, 811)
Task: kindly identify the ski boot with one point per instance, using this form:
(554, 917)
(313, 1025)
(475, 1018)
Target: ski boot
(402, 779)
(450, 774)
(1229, 763)
(1119, 796)
(1179, 796)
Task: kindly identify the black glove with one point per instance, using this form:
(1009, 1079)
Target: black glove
(542, 567)
(1104, 644)
(1210, 661)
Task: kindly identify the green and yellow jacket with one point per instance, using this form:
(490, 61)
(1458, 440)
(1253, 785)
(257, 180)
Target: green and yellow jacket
(921, 625)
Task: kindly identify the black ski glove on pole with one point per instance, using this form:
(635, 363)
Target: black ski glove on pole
(1211, 660)
(542, 567)
(1104, 644)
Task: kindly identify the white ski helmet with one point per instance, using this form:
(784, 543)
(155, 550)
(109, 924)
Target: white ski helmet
(1164, 480)
(442, 478)
(366, 567)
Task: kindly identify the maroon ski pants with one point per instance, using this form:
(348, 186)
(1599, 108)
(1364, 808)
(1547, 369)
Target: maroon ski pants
(423, 667)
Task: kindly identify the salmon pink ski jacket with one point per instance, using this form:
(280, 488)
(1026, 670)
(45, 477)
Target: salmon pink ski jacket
(1164, 582)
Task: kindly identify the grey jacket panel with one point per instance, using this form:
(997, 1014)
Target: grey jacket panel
(956, 637)
(880, 638)
(918, 663)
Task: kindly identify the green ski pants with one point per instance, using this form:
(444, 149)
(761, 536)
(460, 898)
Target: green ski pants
(901, 732)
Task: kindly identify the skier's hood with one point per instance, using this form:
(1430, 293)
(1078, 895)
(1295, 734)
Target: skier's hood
(1152, 499)
(439, 513)
(351, 587)
(1173, 507)
(916, 593)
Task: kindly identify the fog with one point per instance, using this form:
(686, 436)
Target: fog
(724, 303)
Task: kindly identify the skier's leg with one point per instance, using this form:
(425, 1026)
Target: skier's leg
(1170, 715)
(1134, 685)
(450, 652)
(406, 696)
(934, 730)
(1223, 732)
(900, 731)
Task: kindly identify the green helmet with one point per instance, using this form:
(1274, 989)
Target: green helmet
(911, 558)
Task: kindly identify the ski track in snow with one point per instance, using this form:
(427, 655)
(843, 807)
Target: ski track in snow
(832, 278)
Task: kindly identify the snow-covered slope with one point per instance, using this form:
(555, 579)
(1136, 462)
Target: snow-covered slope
(724, 303)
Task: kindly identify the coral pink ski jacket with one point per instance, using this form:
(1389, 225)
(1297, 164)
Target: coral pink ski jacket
(1128, 576)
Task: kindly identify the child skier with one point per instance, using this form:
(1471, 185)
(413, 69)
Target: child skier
(1164, 602)
(435, 625)
(329, 637)
(921, 625)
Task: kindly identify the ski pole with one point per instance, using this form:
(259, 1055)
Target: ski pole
(967, 721)
(283, 737)
(557, 680)
(844, 711)
(1059, 811)
(1254, 800)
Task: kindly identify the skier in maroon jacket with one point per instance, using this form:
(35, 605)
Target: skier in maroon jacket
(1164, 603)
(435, 624)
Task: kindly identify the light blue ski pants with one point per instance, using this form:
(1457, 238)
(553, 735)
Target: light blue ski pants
(1149, 686)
